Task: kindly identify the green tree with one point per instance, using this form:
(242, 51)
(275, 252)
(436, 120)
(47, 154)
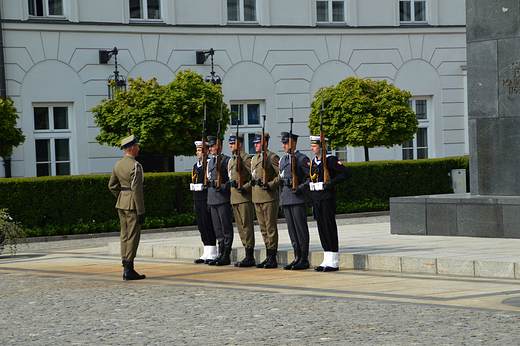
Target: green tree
(10, 136)
(364, 113)
(166, 118)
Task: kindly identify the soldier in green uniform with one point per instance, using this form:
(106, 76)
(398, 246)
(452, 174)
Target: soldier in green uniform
(126, 183)
(241, 198)
(265, 198)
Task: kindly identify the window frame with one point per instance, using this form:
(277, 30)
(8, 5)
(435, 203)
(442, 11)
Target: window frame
(144, 11)
(424, 124)
(412, 12)
(330, 14)
(241, 13)
(46, 9)
(248, 129)
(52, 135)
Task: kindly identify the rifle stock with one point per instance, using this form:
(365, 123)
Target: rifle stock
(293, 157)
(239, 159)
(265, 179)
(204, 160)
(326, 174)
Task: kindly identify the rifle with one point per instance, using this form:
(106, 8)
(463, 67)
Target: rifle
(292, 155)
(239, 160)
(204, 160)
(219, 150)
(265, 179)
(326, 175)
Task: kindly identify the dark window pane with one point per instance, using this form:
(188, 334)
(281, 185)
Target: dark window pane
(43, 169)
(62, 149)
(249, 10)
(408, 144)
(63, 168)
(407, 154)
(420, 11)
(251, 138)
(422, 153)
(338, 11)
(154, 10)
(233, 10)
(253, 114)
(422, 138)
(36, 7)
(55, 7)
(61, 120)
(239, 109)
(43, 152)
(136, 9)
(322, 11)
(41, 118)
(420, 109)
(404, 11)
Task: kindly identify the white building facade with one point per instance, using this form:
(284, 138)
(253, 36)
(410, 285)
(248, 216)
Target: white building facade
(272, 56)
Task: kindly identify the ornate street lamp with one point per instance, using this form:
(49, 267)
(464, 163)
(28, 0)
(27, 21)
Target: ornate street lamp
(104, 57)
(202, 56)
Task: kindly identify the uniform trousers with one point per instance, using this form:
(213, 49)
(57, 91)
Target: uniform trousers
(325, 215)
(244, 218)
(222, 217)
(204, 223)
(130, 234)
(296, 218)
(267, 216)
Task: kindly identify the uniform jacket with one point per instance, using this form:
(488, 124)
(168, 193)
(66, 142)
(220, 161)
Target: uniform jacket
(302, 172)
(338, 174)
(237, 197)
(257, 172)
(126, 183)
(214, 197)
(197, 177)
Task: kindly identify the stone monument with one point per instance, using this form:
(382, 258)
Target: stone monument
(492, 209)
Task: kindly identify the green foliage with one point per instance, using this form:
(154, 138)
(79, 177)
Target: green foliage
(362, 112)
(10, 136)
(166, 118)
(10, 232)
(83, 204)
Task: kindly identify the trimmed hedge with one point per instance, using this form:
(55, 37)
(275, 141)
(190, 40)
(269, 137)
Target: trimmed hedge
(83, 204)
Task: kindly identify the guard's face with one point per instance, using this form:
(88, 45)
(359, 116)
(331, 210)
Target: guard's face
(232, 147)
(315, 148)
(258, 147)
(199, 153)
(286, 147)
(213, 149)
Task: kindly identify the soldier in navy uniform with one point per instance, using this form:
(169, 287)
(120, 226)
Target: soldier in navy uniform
(219, 204)
(126, 183)
(323, 195)
(200, 204)
(294, 201)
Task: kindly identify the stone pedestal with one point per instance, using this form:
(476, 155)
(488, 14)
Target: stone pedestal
(493, 65)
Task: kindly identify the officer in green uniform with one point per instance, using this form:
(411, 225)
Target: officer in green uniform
(241, 198)
(265, 198)
(126, 183)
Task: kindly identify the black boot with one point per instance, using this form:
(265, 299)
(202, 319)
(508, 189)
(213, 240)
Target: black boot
(262, 264)
(304, 261)
(226, 259)
(249, 260)
(129, 272)
(297, 254)
(219, 257)
(271, 259)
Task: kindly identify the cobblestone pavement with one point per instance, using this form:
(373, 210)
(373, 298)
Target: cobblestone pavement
(72, 293)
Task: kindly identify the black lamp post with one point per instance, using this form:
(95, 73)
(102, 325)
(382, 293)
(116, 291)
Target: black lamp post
(104, 57)
(202, 56)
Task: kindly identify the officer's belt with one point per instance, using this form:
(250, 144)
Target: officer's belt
(126, 189)
(212, 183)
(257, 182)
(234, 183)
(286, 182)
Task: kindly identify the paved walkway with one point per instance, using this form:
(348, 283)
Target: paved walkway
(366, 243)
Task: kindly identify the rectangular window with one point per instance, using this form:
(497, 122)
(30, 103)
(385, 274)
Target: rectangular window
(330, 11)
(145, 9)
(251, 109)
(241, 10)
(45, 8)
(418, 147)
(52, 140)
(412, 11)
